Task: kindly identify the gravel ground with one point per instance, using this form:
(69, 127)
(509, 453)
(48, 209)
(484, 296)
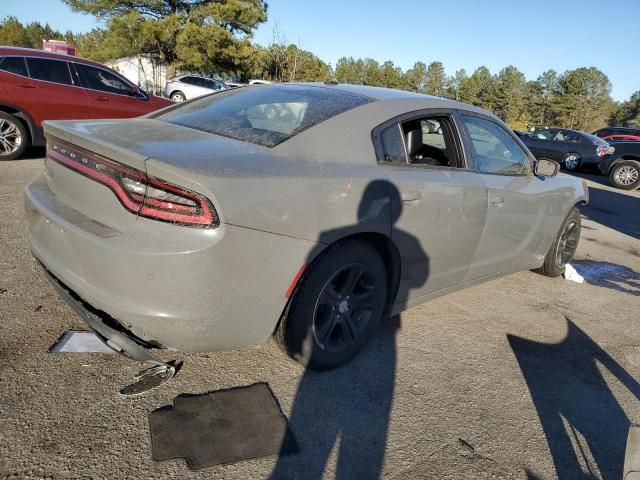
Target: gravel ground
(521, 377)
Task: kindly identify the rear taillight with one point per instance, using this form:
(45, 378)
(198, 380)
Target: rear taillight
(142, 195)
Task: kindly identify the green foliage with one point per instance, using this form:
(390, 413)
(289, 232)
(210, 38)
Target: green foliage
(627, 113)
(583, 101)
(288, 63)
(435, 83)
(416, 78)
(202, 35)
(510, 95)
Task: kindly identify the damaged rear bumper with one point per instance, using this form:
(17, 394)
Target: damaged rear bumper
(106, 328)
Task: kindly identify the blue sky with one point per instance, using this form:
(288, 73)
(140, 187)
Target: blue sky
(533, 36)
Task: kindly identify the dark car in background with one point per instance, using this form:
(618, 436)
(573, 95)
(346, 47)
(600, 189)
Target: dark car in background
(36, 85)
(618, 133)
(623, 165)
(572, 149)
(618, 137)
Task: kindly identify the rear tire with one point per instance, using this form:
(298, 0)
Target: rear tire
(571, 162)
(178, 97)
(626, 175)
(14, 138)
(563, 247)
(336, 307)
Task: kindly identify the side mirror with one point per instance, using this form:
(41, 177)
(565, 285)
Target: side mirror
(546, 168)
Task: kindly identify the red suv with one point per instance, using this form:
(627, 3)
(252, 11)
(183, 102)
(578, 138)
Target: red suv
(37, 85)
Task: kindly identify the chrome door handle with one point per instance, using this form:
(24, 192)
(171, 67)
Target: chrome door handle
(101, 99)
(26, 85)
(411, 196)
(497, 202)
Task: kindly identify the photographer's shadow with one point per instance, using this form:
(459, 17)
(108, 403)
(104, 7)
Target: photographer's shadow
(348, 409)
(583, 422)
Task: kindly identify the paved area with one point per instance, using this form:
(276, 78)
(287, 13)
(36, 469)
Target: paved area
(522, 377)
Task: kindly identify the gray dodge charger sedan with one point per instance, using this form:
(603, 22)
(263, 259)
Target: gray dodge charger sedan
(216, 224)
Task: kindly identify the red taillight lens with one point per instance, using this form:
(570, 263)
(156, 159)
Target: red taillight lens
(145, 196)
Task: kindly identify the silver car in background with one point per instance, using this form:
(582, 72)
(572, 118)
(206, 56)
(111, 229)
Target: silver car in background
(186, 87)
(301, 211)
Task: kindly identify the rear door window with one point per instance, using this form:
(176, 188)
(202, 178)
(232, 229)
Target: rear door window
(567, 136)
(392, 143)
(49, 70)
(101, 80)
(265, 115)
(14, 65)
(211, 84)
(189, 80)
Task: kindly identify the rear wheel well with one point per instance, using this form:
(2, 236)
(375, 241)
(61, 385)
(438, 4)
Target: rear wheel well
(385, 248)
(22, 117)
(389, 253)
(622, 159)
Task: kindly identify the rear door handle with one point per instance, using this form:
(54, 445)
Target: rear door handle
(411, 196)
(497, 202)
(26, 85)
(100, 98)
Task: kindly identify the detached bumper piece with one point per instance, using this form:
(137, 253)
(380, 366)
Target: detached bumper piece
(121, 342)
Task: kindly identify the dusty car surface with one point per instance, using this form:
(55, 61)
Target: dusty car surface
(214, 225)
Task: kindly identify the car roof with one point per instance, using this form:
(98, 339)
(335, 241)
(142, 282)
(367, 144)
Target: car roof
(389, 95)
(579, 132)
(182, 75)
(32, 52)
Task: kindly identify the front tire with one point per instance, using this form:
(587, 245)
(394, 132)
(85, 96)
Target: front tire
(336, 307)
(14, 138)
(626, 175)
(563, 247)
(571, 162)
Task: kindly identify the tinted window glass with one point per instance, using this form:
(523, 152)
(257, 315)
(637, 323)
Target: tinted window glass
(212, 85)
(14, 65)
(567, 136)
(98, 79)
(263, 115)
(392, 145)
(495, 150)
(49, 70)
(189, 80)
(544, 134)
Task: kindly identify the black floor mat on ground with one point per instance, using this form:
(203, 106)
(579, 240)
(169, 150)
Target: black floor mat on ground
(219, 427)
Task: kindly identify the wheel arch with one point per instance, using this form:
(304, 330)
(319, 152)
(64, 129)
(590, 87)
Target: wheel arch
(24, 117)
(622, 158)
(383, 244)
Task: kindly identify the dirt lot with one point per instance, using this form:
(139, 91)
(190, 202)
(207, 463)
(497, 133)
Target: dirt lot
(522, 377)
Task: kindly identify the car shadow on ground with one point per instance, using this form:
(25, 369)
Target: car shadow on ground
(583, 422)
(614, 209)
(348, 409)
(32, 153)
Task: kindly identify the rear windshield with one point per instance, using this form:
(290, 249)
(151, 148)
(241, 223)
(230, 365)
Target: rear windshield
(265, 115)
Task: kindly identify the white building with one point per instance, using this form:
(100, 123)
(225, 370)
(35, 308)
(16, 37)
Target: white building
(144, 71)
